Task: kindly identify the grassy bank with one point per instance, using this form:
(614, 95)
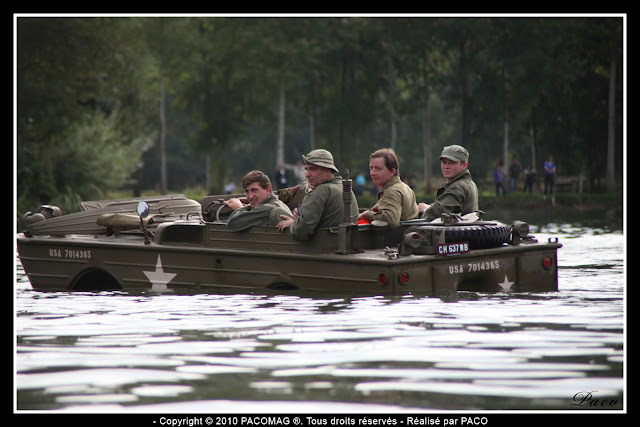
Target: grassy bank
(519, 205)
(488, 200)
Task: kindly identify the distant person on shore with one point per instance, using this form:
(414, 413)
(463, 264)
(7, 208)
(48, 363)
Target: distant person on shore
(529, 179)
(229, 187)
(322, 206)
(549, 173)
(361, 184)
(498, 179)
(282, 177)
(263, 206)
(459, 194)
(514, 174)
(396, 200)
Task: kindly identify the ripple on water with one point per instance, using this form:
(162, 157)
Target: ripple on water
(225, 353)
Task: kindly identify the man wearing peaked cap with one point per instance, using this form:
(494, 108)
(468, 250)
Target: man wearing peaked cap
(456, 153)
(459, 194)
(323, 206)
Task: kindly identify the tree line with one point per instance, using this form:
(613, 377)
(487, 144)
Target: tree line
(105, 103)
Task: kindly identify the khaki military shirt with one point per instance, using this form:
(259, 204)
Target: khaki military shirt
(267, 213)
(458, 196)
(293, 196)
(323, 207)
(396, 202)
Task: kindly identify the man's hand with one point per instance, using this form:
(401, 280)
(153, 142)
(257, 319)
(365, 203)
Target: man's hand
(285, 223)
(363, 215)
(234, 204)
(422, 207)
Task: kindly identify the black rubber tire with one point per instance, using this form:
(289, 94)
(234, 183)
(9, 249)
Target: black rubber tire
(480, 235)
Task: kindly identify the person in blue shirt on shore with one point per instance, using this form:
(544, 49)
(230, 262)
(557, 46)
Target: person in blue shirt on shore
(498, 178)
(549, 173)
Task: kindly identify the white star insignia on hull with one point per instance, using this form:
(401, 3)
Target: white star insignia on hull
(159, 278)
(506, 285)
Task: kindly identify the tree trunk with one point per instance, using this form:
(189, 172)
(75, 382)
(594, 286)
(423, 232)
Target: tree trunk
(281, 123)
(208, 172)
(164, 184)
(312, 126)
(533, 152)
(467, 100)
(505, 138)
(312, 117)
(217, 169)
(391, 101)
(611, 181)
(426, 134)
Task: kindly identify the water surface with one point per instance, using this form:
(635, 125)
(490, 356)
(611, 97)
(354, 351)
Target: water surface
(229, 353)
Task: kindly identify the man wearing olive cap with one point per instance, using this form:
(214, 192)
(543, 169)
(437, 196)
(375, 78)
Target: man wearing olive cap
(459, 194)
(323, 205)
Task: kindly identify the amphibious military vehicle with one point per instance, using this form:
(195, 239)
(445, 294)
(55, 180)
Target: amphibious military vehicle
(172, 244)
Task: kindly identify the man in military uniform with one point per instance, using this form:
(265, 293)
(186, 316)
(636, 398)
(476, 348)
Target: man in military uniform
(459, 194)
(323, 205)
(263, 207)
(396, 200)
(293, 196)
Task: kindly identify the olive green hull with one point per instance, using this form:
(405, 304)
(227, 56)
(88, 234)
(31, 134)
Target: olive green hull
(126, 262)
(182, 245)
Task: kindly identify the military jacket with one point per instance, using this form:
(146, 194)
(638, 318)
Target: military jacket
(396, 202)
(267, 213)
(291, 199)
(458, 196)
(323, 207)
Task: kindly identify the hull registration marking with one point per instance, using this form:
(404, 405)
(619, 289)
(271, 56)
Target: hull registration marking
(474, 266)
(69, 253)
(453, 248)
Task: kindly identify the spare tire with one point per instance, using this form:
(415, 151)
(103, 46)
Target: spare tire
(480, 234)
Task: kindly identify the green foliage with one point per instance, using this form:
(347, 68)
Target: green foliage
(88, 96)
(92, 158)
(84, 108)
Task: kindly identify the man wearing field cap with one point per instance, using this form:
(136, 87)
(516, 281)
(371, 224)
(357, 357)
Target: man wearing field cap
(322, 206)
(459, 194)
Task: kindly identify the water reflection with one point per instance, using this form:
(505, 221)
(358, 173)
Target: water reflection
(119, 351)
